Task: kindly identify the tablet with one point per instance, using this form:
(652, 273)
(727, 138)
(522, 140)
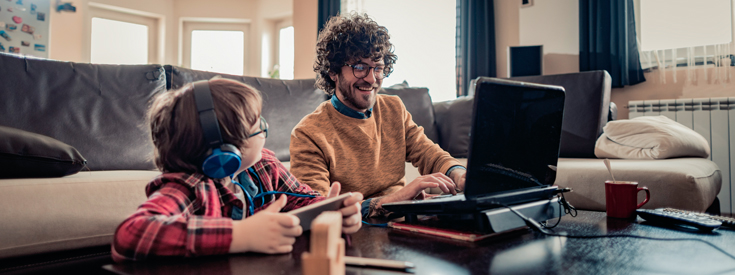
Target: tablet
(308, 213)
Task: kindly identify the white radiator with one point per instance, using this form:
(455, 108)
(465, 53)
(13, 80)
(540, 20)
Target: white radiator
(714, 119)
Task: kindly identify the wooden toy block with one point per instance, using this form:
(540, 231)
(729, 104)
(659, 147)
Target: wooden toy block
(327, 248)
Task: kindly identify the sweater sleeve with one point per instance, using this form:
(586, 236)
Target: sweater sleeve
(421, 151)
(308, 162)
(160, 228)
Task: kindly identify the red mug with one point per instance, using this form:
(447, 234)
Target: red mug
(621, 198)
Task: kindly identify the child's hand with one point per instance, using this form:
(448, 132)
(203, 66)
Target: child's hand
(351, 218)
(268, 231)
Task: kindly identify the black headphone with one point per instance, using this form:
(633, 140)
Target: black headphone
(223, 159)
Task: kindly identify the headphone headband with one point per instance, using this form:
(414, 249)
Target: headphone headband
(207, 116)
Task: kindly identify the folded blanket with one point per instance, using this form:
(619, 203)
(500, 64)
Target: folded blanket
(650, 137)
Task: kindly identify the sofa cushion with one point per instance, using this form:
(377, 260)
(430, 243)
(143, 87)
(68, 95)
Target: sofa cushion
(682, 183)
(28, 155)
(650, 137)
(285, 102)
(453, 122)
(418, 102)
(586, 109)
(77, 211)
(98, 109)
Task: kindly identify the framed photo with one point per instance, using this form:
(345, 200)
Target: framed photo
(526, 3)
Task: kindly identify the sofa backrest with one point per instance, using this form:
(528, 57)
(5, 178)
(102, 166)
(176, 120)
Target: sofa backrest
(98, 109)
(286, 102)
(586, 111)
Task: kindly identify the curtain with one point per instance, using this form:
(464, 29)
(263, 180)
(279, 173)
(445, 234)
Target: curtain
(607, 40)
(475, 42)
(326, 9)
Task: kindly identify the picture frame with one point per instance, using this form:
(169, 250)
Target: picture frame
(526, 3)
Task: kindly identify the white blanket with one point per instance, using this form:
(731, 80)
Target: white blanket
(650, 137)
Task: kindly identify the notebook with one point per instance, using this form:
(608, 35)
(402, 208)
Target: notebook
(513, 150)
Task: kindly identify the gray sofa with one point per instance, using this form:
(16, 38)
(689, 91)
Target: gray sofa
(66, 223)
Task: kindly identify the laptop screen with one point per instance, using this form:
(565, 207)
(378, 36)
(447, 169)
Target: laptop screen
(514, 140)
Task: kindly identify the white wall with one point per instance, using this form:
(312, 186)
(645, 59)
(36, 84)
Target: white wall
(555, 25)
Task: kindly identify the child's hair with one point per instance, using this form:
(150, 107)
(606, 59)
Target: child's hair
(177, 133)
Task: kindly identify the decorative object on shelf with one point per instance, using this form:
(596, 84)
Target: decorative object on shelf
(526, 3)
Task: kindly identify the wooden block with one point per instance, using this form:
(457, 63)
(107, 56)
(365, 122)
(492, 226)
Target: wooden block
(327, 247)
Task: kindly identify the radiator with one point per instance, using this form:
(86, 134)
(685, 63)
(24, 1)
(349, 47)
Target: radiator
(714, 119)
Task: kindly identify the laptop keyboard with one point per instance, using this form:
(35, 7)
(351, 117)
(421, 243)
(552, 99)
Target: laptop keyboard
(445, 197)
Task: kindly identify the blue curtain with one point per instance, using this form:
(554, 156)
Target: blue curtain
(326, 9)
(475, 42)
(607, 40)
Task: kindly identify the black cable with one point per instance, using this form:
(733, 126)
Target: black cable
(535, 225)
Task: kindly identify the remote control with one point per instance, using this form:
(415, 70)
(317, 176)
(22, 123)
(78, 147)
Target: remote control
(726, 221)
(679, 218)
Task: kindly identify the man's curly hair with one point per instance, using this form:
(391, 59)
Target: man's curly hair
(348, 38)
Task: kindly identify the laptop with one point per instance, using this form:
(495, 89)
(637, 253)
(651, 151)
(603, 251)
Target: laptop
(513, 151)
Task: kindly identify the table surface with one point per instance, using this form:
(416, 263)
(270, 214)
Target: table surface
(519, 252)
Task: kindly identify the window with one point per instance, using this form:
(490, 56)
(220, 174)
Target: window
(216, 45)
(118, 42)
(286, 52)
(122, 36)
(681, 32)
(215, 51)
(424, 41)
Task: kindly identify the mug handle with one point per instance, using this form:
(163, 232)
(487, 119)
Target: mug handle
(648, 196)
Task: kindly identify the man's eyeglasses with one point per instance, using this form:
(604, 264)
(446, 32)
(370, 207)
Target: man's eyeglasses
(263, 128)
(360, 70)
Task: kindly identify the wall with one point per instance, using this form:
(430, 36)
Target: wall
(554, 24)
(305, 33)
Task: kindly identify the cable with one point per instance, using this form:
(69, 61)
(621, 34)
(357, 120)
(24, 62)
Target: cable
(376, 224)
(535, 225)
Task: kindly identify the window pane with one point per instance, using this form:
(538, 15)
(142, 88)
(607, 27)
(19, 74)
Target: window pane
(218, 51)
(671, 24)
(424, 40)
(286, 52)
(118, 42)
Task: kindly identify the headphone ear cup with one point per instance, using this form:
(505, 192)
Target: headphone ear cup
(223, 162)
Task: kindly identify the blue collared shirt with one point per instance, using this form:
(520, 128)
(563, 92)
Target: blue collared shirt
(343, 109)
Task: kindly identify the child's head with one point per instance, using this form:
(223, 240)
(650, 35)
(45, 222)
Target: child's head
(177, 132)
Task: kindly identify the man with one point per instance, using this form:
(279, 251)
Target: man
(359, 138)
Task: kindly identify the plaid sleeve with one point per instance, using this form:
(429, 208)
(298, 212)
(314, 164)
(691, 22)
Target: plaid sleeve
(276, 177)
(164, 226)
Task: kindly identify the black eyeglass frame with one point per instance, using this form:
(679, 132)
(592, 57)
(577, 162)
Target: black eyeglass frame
(383, 74)
(263, 128)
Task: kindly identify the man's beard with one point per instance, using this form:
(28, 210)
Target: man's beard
(350, 95)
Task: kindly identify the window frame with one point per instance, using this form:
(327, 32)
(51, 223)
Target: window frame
(154, 22)
(189, 24)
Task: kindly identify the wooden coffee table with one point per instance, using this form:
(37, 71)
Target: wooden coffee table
(520, 252)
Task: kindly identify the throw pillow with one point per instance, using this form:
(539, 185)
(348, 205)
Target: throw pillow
(650, 137)
(29, 155)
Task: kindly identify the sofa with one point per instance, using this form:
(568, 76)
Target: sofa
(87, 157)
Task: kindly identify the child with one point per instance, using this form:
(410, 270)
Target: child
(191, 214)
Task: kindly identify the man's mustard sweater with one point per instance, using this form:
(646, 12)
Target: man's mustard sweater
(364, 155)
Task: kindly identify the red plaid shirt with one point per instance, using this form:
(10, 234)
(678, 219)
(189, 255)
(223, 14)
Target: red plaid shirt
(189, 215)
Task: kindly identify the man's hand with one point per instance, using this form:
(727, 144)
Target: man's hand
(351, 218)
(415, 189)
(459, 176)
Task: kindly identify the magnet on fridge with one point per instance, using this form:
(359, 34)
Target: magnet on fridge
(5, 35)
(2, 25)
(25, 43)
(37, 36)
(17, 19)
(28, 29)
(39, 47)
(41, 16)
(11, 27)
(10, 9)
(20, 2)
(14, 50)
(33, 8)
(2, 49)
